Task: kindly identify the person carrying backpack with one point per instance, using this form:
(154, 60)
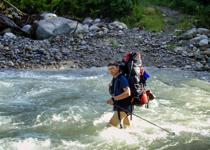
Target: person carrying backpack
(128, 88)
(121, 100)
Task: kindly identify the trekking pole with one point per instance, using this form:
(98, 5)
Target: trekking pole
(172, 133)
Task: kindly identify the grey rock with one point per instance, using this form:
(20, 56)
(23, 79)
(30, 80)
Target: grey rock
(15, 15)
(188, 67)
(120, 32)
(208, 60)
(122, 51)
(94, 28)
(105, 30)
(27, 29)
(83, 42)
(203, 31)
(47, 15)
(10, 63)
(197, 39)
(190, 54)
(82, 28)
(198, 66)
(117, 24)
(189, 34)
(184, 53)
(97, 20)
(203, 43)
(10, 35)
(88, 20)
(55, 26)
(100, 33)
(180, 49)
(198, 56)
(6, 22)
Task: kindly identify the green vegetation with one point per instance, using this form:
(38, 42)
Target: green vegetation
(186, 22)
(145, 17)
(199, 9)
(78, 8)
(135, 13)
(114, 43)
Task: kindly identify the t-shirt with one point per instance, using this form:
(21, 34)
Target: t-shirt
(119, 83)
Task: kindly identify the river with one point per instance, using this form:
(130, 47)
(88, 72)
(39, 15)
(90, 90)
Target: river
(66, 110)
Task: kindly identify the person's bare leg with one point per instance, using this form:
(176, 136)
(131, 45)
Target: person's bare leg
(126, 121)
(114, 121)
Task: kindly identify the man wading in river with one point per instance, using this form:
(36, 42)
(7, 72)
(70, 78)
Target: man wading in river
(120, 91)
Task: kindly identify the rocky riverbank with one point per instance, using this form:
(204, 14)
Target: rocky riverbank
(97, 42)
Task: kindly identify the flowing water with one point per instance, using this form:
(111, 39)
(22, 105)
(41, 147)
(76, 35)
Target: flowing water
(66, 110)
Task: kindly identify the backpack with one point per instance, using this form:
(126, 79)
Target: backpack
(133, 69)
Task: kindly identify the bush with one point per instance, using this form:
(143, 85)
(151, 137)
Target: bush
(78, 8)
(199, 8)
(145, 17)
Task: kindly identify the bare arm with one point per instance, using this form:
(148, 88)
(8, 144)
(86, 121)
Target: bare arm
(125, 94)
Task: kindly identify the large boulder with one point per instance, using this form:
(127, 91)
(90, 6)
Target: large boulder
(203, 31)
(55, 26)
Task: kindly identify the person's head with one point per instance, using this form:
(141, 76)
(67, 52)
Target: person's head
(114, 68)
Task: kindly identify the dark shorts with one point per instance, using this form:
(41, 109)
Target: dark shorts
(127, 109)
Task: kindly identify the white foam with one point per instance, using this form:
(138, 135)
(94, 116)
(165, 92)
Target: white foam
(26, 144)
(115, 135)
(74, 145)
(37, 92)
(103, 119)
(62, 117)
(5, 84)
